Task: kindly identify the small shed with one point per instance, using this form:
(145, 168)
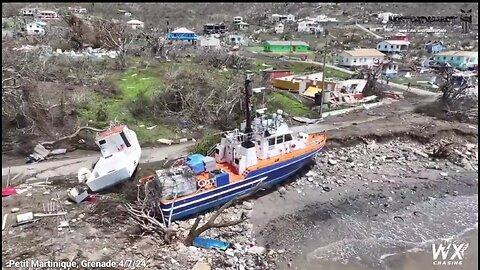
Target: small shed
(285, 46)
(136, 24)
(182, 34)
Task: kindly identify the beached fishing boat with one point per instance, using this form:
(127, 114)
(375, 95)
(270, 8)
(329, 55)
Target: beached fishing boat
(121, 153)
(263, 152)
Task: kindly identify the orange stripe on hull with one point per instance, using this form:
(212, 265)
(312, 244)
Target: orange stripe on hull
(314, 141)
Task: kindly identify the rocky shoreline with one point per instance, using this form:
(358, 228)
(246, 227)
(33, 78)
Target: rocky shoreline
(371, 180)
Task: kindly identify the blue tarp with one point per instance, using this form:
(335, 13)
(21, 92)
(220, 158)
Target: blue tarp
(195, 162)
(210, 243)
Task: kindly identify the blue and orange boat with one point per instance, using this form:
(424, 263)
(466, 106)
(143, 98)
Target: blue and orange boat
(264, 152)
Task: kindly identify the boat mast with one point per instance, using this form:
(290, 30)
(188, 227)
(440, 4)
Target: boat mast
(248, 128)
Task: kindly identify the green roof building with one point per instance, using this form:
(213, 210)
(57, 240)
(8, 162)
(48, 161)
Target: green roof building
(285, 46)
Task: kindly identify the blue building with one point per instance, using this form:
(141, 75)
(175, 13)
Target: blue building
(435, 47)
(182, 34)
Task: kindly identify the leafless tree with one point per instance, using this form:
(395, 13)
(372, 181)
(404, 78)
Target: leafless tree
(117, 36)
(146, 211)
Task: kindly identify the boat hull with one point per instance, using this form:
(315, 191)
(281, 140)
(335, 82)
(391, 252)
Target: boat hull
(267, 177)
(108, 180)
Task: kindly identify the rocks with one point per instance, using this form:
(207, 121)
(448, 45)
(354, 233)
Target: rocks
(466, 164)
(229, 262)
(332, 161)
(282, 190)
(248, 205)
(257, 250)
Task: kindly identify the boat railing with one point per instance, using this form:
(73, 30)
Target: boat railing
(211, 151)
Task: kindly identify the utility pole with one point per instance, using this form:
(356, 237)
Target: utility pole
(323, 74)
(248, 81)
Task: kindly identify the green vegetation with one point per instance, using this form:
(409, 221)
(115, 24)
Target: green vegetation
(136, 98)
(205, 143)
(279, 100)
(134, 84)
(300, 68)
(405, 81)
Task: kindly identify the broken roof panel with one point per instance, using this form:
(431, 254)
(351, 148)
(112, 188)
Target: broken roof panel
(397, 42)
(458, 53)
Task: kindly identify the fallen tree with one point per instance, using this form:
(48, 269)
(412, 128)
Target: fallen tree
(197, 231)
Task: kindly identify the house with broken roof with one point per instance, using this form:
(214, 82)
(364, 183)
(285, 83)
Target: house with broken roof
(309, 26)
(236, 40)
(35, 28)
(435, 47)
(391, 46)
(29, 12)
(241, 26)
(283, 18)
(214, 28)
(279, 28)
(285, 46)
(360, 58)
(462, 60)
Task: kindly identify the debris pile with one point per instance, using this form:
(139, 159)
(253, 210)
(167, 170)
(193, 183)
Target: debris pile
(360, 163)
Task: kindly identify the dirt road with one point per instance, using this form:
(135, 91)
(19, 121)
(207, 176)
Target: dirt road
(50, 169)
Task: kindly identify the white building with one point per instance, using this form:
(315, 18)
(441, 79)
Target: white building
(281, 18)
(35, 28)
(290, 17)
(30, 12)
(360, 57)
(80, 10)
(237, 40)
(279, 28)
(136, 24)
(48, 15)
(393, 46)
(242, 26)
(237, 19)
(309, 26)
(210, 42)
(324, 18)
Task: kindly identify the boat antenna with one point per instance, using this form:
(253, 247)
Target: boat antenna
(248, 81)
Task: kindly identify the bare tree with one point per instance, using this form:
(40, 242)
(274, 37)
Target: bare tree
(146, 211)
(117, 36)
(455, 91)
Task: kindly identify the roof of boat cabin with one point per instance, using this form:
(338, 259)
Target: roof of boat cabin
(113, 130)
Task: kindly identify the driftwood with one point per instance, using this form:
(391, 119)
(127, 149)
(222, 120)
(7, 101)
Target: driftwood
(442, 152)
(195, 231)
(145, 211)
(71, 136)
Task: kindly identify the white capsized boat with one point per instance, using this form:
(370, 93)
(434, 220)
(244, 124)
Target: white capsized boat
(121, 153)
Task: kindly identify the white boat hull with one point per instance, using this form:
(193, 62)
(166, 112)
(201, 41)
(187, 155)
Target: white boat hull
(118, 162)
(109, 180)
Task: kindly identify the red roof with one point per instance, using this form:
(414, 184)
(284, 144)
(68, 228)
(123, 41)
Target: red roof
(113, 130)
